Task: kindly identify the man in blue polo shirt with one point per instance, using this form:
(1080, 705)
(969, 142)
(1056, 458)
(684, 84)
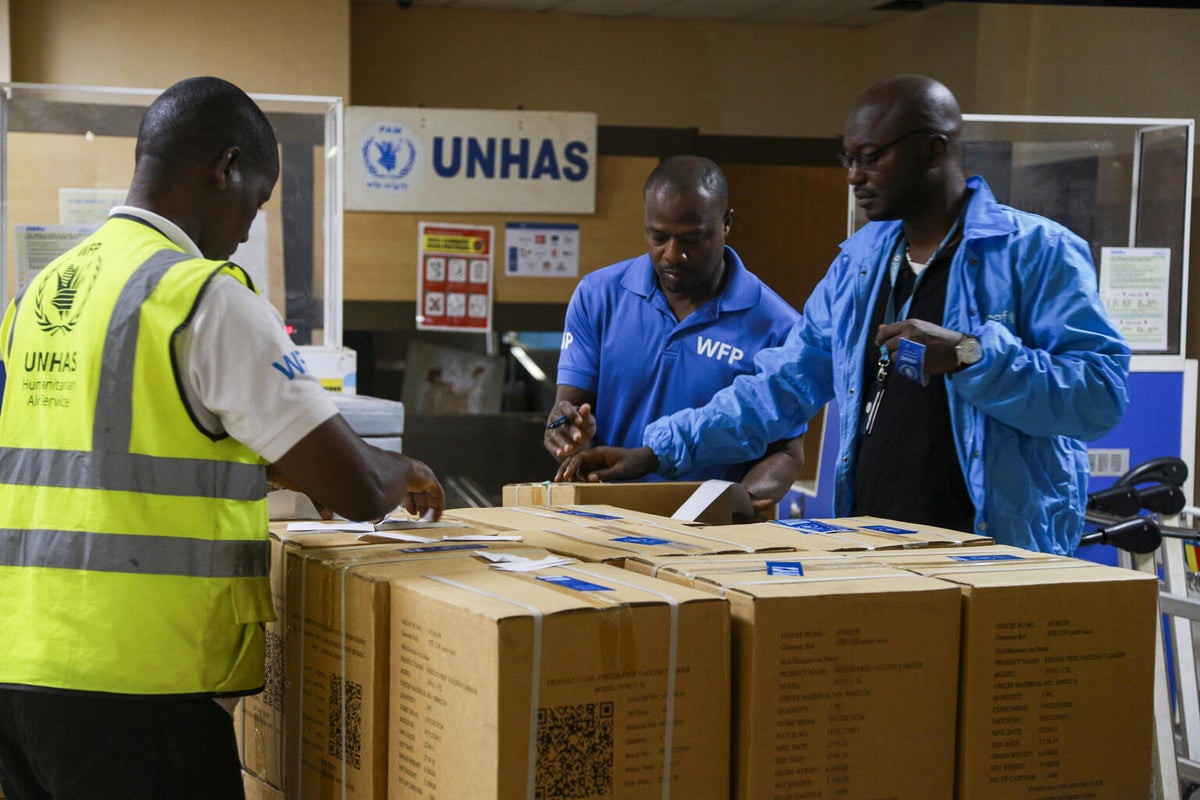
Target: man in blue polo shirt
(668, 329)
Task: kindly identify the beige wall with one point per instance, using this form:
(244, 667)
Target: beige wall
(777, 80)
(722, 78)
(264, 46)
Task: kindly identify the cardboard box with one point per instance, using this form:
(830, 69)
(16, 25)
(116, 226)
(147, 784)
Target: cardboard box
(711, 502)
(845, 675)
(600, 533)
(856, 533)
(260, 720)
(1055, 653)
(268, 723)
(258, 789)
(338, 651)
(578, 682)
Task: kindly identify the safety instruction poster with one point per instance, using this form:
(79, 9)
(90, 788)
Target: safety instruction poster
(454, 279)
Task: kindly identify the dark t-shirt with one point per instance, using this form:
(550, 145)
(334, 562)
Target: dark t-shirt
(907, 467)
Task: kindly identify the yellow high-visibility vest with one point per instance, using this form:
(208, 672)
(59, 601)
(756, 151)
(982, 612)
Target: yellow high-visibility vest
(133, 543)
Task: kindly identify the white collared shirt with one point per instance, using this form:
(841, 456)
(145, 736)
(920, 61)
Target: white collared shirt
(227, 360)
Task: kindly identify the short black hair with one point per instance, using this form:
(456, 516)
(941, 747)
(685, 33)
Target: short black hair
(197, 119)
(691, 172)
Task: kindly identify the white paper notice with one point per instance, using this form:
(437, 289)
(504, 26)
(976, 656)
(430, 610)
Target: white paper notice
(541, 250)
(35, 246)
(1134, 285)
(87, 206)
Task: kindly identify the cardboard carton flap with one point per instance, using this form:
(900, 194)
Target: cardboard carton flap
(731, 495)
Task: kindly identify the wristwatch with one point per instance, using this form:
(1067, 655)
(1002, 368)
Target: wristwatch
(968, 351)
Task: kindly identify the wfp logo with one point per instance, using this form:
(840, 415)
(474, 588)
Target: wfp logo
(389, 154)
(60, 298)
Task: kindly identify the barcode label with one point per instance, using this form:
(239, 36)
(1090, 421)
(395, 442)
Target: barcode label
(1108, 463)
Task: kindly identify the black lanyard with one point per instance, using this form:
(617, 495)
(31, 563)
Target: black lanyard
(891, 315)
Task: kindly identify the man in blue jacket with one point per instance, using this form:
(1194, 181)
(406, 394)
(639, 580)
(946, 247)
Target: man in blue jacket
(964, 341)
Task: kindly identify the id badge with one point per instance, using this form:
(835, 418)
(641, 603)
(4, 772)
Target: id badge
(910, 361)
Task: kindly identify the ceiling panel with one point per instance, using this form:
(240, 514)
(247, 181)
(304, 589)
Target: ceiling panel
(798, 12)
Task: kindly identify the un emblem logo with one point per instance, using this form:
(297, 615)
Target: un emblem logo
(60, 297)
(389, 153)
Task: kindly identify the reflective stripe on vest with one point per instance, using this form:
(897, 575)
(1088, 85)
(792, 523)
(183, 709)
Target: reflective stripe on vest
(110, 466)
(124, 552)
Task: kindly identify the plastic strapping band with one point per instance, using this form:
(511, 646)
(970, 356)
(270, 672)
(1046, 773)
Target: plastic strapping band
(806, 579)
(300, 675)
(1024, 566)
(534, 512)
(672, 668)
(345, 680)
(592, 541)
(536, 678)
(346, 569)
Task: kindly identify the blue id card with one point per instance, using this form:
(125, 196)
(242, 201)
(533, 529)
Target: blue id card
(910, 361)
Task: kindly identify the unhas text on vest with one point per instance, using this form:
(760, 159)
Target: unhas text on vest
(44, 390)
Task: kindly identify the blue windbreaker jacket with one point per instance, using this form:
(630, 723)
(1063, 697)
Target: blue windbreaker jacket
(1053, 373)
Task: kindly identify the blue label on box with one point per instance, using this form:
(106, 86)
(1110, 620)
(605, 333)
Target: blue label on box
(886, 529)
(577, 584)
(810, 525)
(646, 540)
(785, 568)
(988, 558)
(576, 512)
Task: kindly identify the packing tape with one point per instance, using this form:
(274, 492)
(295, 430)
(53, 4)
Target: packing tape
(535, 678)
(672, 669)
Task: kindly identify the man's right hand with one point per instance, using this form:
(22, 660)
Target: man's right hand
(607, 464)
(568, 429)
(423, 494)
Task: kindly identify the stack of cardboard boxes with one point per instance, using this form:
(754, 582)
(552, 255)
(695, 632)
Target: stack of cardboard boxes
(667, 658)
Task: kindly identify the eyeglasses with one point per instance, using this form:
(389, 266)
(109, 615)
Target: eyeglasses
(869, 160)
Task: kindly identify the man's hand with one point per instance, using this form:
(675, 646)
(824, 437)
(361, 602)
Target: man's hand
(939, 342)
(607, 463)
(772, 477)
(424, 494)
(568, 429)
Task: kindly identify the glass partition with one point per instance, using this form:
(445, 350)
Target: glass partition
(1122, 184)
(66, 157)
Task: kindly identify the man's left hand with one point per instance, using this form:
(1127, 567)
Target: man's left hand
(940, 356)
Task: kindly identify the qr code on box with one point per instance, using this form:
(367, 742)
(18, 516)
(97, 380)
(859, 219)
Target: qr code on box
(347, 694)
(273, 681)
(574, 751)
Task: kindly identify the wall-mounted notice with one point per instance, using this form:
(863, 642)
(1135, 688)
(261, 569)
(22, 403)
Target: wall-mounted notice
(87, 206)
(454, 279)
(541, 250)
(35, 246)
(437, 159)
(1134, 282)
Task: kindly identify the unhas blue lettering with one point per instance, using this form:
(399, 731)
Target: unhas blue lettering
(721, 351)
(293, 365)
(509, 158)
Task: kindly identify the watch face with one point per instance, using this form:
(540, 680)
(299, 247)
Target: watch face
(968, 350)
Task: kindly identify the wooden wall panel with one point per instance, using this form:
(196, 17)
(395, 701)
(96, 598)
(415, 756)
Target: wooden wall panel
(381, 248)
(787, 223)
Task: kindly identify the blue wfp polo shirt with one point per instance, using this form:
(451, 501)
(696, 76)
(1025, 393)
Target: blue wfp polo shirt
(621, 341)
